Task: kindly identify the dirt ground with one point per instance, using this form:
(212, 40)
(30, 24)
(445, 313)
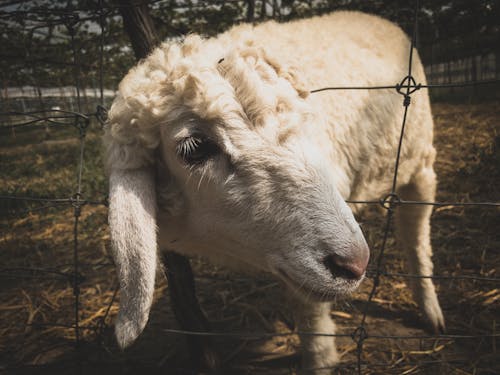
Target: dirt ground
(37, 298)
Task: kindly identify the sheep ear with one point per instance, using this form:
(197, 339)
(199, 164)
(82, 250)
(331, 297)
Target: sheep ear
(132, 220)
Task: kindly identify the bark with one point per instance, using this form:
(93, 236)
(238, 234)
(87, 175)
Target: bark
(250, 10)
(187, 310)
(139, 26)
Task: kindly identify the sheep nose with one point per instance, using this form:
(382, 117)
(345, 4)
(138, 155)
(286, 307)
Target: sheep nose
(352, 266)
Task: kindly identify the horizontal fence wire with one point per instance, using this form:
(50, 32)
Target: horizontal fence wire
(72, 19)
(412, 87)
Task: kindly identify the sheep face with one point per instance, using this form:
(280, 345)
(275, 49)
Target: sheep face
(244, 175)
(249, 179)
(236, 193)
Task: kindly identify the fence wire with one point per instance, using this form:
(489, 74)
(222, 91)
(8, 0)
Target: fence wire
(72, 19)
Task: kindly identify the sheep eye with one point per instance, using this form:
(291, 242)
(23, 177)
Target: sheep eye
(196, 149)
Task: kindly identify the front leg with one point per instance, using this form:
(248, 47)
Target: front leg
(188, 312)
(413, 231)
(319, 353)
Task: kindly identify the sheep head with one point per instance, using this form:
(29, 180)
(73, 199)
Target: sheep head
(219, 147)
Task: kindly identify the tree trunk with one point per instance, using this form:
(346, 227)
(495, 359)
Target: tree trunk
(139, 26)
(250, 10)
(187, 310)
(263, 10)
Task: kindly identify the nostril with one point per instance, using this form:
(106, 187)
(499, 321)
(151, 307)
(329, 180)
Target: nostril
(341, 267)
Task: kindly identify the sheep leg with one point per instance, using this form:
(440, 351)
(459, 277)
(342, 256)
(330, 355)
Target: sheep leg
(187, 310)
(319, 353)
(413, 234)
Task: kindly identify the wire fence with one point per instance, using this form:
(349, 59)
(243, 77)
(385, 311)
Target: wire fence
(80, 120)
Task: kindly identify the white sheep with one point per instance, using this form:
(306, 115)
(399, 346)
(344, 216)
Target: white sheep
(216, 148)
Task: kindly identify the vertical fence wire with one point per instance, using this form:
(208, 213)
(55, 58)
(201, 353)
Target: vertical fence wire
(360, 334)
(77, 196)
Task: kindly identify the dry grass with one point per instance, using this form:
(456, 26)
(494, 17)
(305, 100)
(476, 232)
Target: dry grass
(34, 303)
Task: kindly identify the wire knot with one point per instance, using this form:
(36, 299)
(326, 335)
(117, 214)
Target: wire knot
(390, 201)
(71, 22)
(82, 122)
(411, 86)
(359, 336)
(77, 203)
(101, 114)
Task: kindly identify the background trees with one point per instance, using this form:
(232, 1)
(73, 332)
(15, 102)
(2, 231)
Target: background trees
(35, 38)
